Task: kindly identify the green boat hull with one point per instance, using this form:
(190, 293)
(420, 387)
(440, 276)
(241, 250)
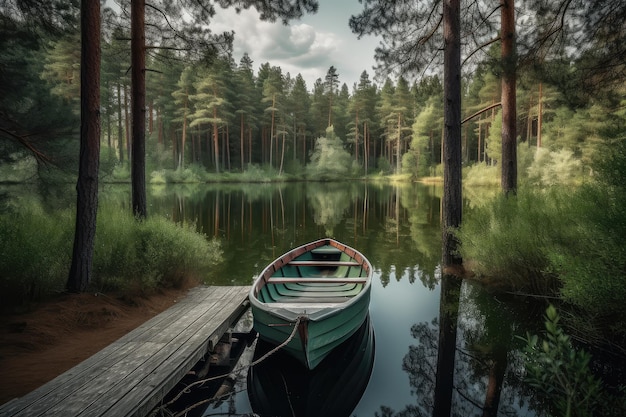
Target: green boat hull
(312, 299)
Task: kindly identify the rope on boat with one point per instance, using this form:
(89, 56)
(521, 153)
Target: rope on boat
(282, 345)
(163, 407)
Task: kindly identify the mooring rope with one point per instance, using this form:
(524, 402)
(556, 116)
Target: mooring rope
(296, 324)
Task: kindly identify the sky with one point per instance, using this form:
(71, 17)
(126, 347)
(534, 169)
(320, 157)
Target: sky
(308, 46)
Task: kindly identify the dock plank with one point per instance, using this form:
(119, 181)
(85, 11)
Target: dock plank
(133, 374)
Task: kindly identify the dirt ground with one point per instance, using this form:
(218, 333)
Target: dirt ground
(37, 346)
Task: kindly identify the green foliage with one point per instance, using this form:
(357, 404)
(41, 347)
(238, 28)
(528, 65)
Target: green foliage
(510, 238)
(554, 167)
(121, 173)
(384, 167)
(144, 256)
(19, 167)
(480, 175)
(562, 375)
(493, 142)
(329, 159)
(418, 159)
(35, 253)
(573, 235)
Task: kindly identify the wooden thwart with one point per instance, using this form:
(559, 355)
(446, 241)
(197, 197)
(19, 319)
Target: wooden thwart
(133, 374)
(324, 263)
(314, 280)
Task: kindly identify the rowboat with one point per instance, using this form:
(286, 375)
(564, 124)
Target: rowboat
(278, 387)
(311, 299)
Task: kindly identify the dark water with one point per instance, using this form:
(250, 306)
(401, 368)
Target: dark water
(398, 229)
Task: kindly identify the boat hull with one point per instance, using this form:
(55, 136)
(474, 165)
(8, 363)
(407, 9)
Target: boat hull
(310, 315)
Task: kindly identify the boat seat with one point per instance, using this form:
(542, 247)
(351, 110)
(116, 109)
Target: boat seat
(315, 280)
(324, 263)
(273, 293)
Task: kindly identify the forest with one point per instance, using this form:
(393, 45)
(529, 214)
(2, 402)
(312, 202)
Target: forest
(208, 114)
(543, 117)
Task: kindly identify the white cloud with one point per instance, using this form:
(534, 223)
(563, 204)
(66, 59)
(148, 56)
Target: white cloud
(298, 48)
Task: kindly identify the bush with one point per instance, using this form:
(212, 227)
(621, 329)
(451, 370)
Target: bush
(509, 239)
(144, 256)
(562, 375)
(558, 167)
(129, 256)
(35, 254)
(481, 174)
(557, 242)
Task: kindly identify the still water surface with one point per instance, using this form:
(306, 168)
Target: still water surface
(397, 228)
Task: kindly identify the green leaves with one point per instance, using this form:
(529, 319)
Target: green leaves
(560, 372)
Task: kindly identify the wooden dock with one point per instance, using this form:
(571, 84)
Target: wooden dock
(132, 375)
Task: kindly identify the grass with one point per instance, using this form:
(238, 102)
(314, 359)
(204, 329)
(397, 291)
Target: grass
(130, 256)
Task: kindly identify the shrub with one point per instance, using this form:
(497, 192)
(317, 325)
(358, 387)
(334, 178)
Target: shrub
(129, 256)
(147, 255)
(35, 254)
(509, 238)
(481, 174)
(562, 374)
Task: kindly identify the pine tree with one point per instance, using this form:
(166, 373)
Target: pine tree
(301, 105)
(245, 107)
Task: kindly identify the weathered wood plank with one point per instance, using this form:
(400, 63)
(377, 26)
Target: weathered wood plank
(133, 374)
(156, 376)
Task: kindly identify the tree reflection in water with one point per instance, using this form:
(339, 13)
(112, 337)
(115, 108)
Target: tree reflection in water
(479, 371)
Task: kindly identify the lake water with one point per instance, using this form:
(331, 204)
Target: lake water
(397, 228)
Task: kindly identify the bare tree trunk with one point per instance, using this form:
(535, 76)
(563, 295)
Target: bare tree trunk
(181, 163)
(127, 124)
(89, 159)
(509, 114)
(241, 141)
(366, 148)
(272, 129)
(216, 138)
(120, 130)
(540, 115)
(356, 137)
(138, 107)
(452, 197)
(398, 150)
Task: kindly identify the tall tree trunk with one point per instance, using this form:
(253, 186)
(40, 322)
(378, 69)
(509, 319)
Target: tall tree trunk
(89, 159)
(138, 107)
(216, 139)
(529, 120)
(127, 123)
(250, 145)
(120, 130)
(272, 129)
(509, 114)
(366, 147)
(183, 139)
(282, 153)
(226, 142)
(452, 198)
(398, 150)
(356, 136)
(540, 115)
(241, 140)
(159, 116)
